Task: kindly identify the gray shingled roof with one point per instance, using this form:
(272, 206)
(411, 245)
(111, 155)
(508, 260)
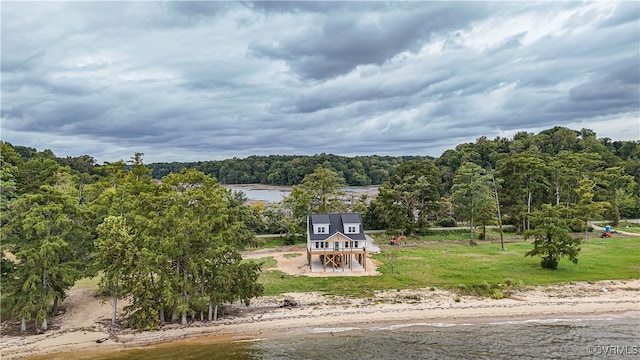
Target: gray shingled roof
(336, 224)
(320, 219)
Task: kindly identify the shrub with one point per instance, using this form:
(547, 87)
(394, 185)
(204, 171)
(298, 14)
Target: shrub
(497, 294)
(447, 222)
(549, 263)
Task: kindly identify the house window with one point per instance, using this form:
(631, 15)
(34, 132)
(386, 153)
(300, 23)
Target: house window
(355, 244)
(321, 230)
(352, 229)
(317, 245)
(322, 245)
(336, 246)
(346, 244)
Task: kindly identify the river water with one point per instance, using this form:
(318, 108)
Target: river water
(567, 338)
(275, 194)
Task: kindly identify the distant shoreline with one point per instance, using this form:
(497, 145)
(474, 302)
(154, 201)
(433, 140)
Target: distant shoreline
(265, 318)
(275, 193)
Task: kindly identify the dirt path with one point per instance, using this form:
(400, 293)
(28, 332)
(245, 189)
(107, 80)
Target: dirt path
(84, 309)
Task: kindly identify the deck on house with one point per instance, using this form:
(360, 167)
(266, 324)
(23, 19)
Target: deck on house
(317, 266)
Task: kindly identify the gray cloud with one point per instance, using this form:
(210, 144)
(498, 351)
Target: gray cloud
(191, 81)
(344, 41)
(626, 12)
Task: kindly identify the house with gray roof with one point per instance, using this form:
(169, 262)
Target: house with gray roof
(337, 241)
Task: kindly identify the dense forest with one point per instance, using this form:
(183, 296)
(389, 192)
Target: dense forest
(290, 169)
(173, 246)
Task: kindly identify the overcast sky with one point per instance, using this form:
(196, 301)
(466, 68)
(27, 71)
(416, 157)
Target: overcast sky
(188, 81)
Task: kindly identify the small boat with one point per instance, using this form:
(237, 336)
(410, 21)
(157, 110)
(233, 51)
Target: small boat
(101, 340)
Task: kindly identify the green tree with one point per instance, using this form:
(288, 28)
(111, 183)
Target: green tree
(44, 230)
(615, 185)
(115, 254)
(586, 208)
(324, 184)
(413, 192)
(9, 168)
(524, 184)
(199, 236)
(552, 237)
(472, 195)
(566, 169)
(319, 192)
(37, 172)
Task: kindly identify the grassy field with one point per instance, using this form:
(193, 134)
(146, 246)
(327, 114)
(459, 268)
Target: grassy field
(625, 226)
(453, 264)
(453, 235)
(274, 242)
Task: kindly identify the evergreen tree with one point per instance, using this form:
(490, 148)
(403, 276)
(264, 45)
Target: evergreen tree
(552, 236)
(472, 196)
(44, 230)
(413, 192)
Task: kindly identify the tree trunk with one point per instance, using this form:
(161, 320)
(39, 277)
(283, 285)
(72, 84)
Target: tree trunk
(528, 211)
(162, 319)
(115, 308)
(23, 324)
(185, 296)
(54, 307)
(215, 313)
(495, 190)
(586, 230)
(202, 294)
(210, 316)
(44, 293)
(471, 240)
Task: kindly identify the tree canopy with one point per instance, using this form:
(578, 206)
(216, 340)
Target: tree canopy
(169, 235)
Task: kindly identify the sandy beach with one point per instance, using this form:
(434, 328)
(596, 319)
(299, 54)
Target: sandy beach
(86, 317)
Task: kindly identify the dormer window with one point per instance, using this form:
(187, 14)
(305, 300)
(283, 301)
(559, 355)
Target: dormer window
(321, 229)
(351, 229)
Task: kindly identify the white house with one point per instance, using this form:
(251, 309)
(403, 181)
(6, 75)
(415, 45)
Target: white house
(336, 239)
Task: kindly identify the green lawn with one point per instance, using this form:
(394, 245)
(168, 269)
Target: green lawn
(448, 264)
(628, 226)
(452, 235)
(274, 242)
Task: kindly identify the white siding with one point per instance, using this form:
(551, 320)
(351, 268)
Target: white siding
(352, 228)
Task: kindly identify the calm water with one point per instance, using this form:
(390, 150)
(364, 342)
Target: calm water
(613, 337)
(275, 195)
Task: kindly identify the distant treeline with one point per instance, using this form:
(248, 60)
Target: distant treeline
(173, 246)
(375, 170)
(290, 169)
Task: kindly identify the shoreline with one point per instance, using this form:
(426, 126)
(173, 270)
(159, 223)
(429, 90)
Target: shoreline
(265, 318)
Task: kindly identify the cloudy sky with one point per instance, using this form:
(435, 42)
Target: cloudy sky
(187, 81)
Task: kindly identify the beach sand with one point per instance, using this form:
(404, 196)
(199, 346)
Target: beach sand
(87, 317)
